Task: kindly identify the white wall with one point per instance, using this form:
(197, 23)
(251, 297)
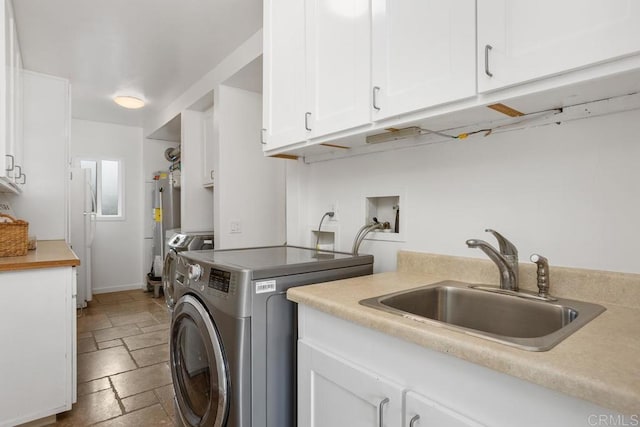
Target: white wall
(570, 192)
(117, 248)
(249, 187)
(43, 202)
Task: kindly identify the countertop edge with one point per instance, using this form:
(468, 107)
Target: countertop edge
(49, 254)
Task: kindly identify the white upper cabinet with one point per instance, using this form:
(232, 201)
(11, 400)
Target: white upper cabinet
(12, 175)
(423, 54)
(338, 65)
(284, 73)
(339, 70)
(522, 40)
(316, 69)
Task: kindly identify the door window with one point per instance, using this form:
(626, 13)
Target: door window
(107, 185)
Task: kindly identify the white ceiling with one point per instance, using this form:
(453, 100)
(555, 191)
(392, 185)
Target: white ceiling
(153, 48)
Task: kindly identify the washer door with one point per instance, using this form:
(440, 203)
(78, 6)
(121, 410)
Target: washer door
(168, 276)
(198, 366)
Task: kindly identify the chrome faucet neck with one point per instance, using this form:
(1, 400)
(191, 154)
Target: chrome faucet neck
(506, 259)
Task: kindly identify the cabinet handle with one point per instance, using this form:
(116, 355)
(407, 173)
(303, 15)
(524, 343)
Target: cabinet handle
(487, 48)
(13, 162)
(380, 413)
(306, 121)
(211, 175)
(413, 421)
(17, 176)
(263, 140)
(376, 89)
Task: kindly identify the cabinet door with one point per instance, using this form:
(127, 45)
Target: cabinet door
(423, 54)
(422, 412)
(7, 81)
(521, 40)
(334, 392)
(338, 65)
(283, 73)
(38, 335)
(209, 148)
(16, 108)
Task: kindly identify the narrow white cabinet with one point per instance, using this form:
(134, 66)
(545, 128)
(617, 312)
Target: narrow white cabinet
(283, 73)
(422, 412)
(209, 148)
(38, 332)
(423, 54)
(338, 46)
(521, 40)
(334, 392)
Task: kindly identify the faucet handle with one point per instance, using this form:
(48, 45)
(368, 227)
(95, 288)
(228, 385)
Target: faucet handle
(506, 247)
(543, 274)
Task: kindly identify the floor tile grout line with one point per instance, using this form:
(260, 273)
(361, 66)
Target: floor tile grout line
(115, 391)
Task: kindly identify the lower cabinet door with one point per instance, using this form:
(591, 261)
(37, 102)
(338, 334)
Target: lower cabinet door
(422, 412)
(334, 392)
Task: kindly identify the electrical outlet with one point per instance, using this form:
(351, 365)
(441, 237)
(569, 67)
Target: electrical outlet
(234, 227)
(334, 208)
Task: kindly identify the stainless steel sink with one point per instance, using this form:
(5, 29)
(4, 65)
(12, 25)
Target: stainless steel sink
(518, 319)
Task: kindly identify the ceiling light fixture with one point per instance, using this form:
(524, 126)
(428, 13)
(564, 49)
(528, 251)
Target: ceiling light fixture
(130, 102)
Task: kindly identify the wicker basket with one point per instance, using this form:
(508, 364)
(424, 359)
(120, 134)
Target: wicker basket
(14, 237)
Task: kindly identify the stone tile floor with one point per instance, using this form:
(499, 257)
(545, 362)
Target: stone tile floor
(123, 363)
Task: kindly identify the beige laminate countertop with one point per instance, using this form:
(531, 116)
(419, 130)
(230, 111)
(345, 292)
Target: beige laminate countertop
(599, 363)
(48, 253)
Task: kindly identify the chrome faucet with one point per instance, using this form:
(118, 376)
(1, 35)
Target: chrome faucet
(506, 259)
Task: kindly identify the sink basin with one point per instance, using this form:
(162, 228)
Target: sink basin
(517, 319)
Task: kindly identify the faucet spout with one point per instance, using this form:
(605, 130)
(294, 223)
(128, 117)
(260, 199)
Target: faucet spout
(507, 265)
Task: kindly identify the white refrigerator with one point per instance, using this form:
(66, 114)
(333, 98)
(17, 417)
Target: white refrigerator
(82, 229)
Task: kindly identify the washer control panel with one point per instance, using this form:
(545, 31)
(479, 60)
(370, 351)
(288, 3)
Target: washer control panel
(219, 280)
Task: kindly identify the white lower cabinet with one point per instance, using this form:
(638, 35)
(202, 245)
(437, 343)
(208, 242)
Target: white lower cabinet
(38, 336)
(333, 392)
(421, 412)
(346, 373)
(336, 392)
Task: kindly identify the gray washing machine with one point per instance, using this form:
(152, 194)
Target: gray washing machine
(233, 332)
(181, 242)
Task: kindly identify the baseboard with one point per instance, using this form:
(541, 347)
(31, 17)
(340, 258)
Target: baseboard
(51, 419)
(118, 288)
